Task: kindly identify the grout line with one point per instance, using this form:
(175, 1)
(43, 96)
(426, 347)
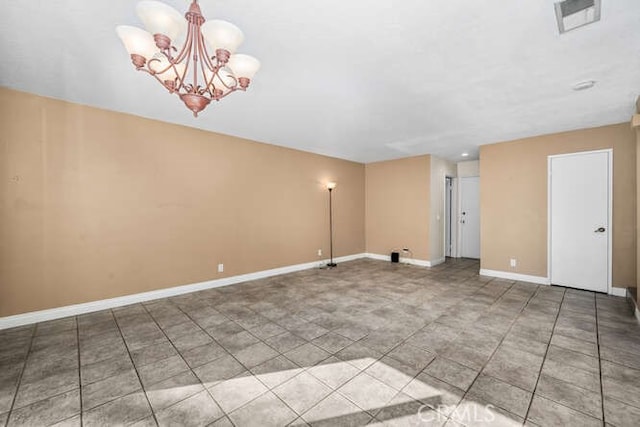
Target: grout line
(153, 413)
(403, 342)
(181, 357)
(79, 367)
(360, 371)
(599, 362)
(24, 367)
(544, 359)
(386, 354)
(511, 324)
(229, 353)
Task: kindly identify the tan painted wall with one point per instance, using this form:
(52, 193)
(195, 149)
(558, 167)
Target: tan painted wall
(97, 204)
(513, 199)
(440, 169)
(397, 206)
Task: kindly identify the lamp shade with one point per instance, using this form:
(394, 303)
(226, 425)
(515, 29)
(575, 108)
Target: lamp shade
(244, 65)
(137, 41)
(331, 185)
(160, 18)
(222, 35)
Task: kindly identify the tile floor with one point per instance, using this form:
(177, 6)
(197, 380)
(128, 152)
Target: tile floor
(366, 343)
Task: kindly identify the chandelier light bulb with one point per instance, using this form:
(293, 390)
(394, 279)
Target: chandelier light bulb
(137, 41)
(244, 65)
(160, 18)
(222, 35)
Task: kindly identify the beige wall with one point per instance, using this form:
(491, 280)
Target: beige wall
(440, 169)
(97, 204)
(513, 199)
(397, 206)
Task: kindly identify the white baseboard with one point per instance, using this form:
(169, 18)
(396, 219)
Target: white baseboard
(88, 307)
(77, 309)
(618, 292)
(378, 257)
(412, 261)
(437, 262)
(636, 310)
(515, 276)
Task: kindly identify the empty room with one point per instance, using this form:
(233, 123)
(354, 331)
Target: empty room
(338, 213)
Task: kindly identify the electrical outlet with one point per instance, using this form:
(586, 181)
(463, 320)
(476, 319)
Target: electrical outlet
(513, 262)
(319, 252)
(220, 268)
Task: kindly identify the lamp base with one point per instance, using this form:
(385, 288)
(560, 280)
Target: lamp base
(332, 265)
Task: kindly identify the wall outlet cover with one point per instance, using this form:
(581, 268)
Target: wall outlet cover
(220, 268)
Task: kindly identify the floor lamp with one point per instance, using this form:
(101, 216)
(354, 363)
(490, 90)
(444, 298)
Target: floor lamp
(330, 187)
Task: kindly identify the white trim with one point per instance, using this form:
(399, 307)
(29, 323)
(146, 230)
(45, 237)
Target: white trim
(636, 310)
(438, 261)
(618, 292)
(77, 309)
(609, 151)
(412, 261)
(515, 276)
(418, 262)
(378, 257)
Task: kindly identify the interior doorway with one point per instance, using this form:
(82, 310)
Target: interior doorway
(579, 220)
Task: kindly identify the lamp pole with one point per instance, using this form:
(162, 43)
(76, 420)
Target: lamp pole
(330, 187)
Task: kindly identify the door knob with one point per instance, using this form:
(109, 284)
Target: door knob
(599, 230)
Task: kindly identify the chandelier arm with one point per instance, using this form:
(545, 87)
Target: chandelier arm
(208, 83)
(202, 48)
(197, 57)
(155, 76)
(236, 88)
(184, 57)
(207, 62)
(153, 72)
(235, 82)
(186, 48)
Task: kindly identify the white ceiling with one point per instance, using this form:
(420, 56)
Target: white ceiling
(363, 80)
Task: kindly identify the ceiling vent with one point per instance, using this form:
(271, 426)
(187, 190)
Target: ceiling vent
(572, 14)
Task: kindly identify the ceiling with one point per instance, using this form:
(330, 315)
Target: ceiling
(363, 80)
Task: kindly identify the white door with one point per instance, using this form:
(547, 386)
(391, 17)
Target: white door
(580, 186)
(470, 217)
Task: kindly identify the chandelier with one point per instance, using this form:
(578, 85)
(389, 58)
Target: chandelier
(176, 51)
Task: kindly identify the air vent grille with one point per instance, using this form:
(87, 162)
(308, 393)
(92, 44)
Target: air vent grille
(572, 14)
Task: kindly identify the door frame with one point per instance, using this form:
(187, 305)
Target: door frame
(450, 222)
(609, 152)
